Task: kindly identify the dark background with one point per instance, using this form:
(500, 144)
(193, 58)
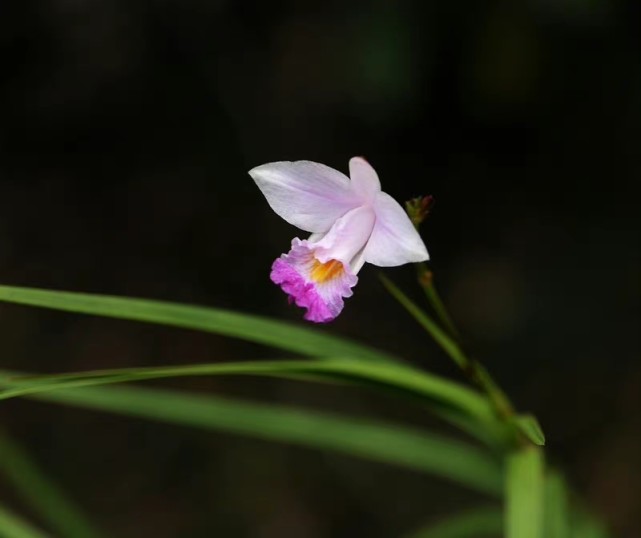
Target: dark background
(126, 130)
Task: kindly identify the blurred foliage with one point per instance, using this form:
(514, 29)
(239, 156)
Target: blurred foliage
(126, 131)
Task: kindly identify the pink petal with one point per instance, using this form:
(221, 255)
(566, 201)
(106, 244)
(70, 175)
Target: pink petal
(309, 195)
(394, 240)
(364, 178)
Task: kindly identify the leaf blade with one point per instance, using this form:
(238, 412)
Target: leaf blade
(485, 522)
(365, 438)
(13, 526)
(529, 426)
(524, 494)
(412, 381)
(557, 523)
(44, 496)
(278, 334)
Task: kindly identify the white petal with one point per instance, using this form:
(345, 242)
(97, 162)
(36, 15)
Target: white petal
(347, 237)
(364, 178)
(394, 241)
(316, 237)
(308, 195)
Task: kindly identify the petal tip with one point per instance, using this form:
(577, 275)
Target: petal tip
(358, 158)
(257, 172)
(364, 178)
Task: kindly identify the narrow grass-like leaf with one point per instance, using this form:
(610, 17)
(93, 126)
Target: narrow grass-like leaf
(36, 489)
(524, 494)
(486, 522)
(278, 334)
(529, 426)
(408, 380)
(557, 522)
(364, 438)
(13, 526)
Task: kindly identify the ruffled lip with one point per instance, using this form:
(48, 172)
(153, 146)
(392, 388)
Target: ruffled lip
(294, 273)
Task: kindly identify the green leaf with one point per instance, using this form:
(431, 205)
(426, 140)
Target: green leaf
(13, 526)
(529, 426)
(586, 525)
(486, 522)
(278, 334)
(384, 442)
(557, 524)
(45, 497)
(524, 494)
(407, 380)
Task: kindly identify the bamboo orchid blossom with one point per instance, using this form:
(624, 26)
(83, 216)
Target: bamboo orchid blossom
(351, 221)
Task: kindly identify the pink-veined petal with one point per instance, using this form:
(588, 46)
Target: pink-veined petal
(347, 237)
(394, 240)
(309, 195)
(364, 178)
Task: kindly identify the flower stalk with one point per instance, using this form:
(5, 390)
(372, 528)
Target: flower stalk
(446, 334)
(418, 209)
(476, 373)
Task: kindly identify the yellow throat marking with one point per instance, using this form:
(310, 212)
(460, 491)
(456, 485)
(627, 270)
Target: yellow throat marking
(322, 272)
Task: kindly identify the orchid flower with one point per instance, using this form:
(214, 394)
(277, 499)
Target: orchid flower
(352, 222)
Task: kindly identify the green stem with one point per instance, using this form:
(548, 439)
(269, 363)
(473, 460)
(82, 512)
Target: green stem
(477, 373)
(426, 281)
(473, 369)
(445, 341)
